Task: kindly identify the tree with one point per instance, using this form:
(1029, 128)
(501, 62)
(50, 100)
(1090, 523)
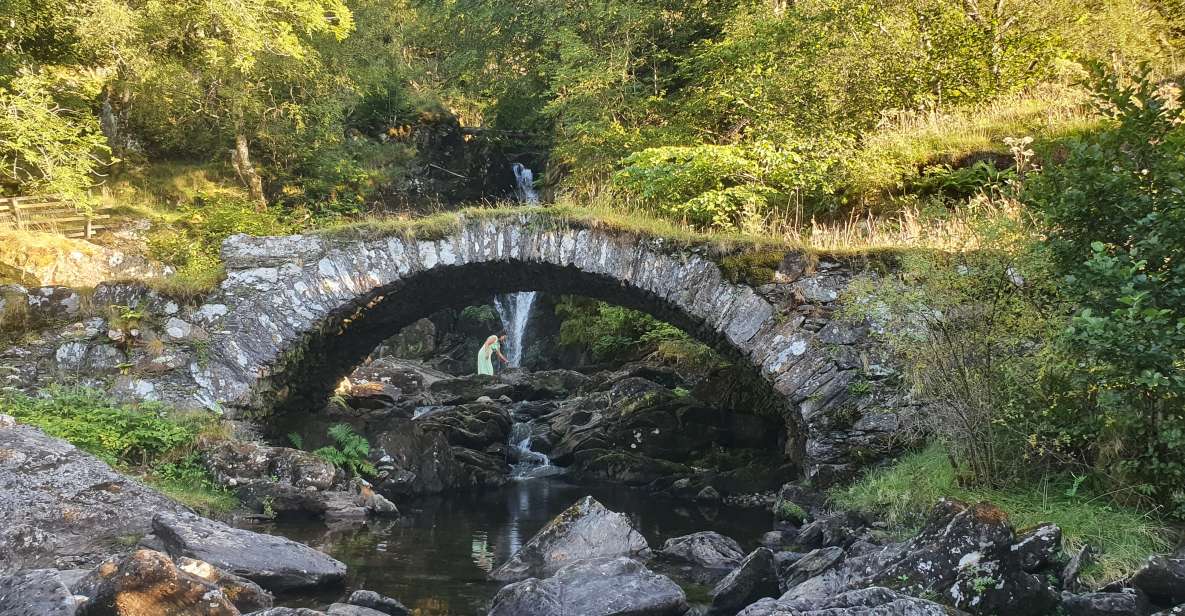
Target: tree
(217, 60)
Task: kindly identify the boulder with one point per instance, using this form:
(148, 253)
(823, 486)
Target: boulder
(813, 563)
(409, 376)
(411, 461)
(705, 556)
(596, 587)
(64, 508)
(462, 389)
(247, 596)
(286, 611)
(475, 426)
(347, 609)
(841, 530)
(585, 530)
(1038, 547)
(755, 578)
(1163, 579)
(544, 384)
(862, 602)
(381, 603)
(1073, 569)
(36, 592)
(147, 583)
(965, 554)
(275, 563)
(1129, 603)
(372, 396)
(235, 463)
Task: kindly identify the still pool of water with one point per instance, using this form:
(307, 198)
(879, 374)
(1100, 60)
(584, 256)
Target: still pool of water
(436, 556)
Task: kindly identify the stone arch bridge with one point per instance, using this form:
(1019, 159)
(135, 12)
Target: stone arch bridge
(297, 313)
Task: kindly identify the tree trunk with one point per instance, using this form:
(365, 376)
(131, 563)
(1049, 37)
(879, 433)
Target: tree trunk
(241, 158)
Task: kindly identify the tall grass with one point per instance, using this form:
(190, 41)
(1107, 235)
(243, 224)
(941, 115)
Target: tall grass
(902, 494)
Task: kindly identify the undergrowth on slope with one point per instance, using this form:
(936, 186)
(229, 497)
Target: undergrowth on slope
(902, 494)
(149, 441)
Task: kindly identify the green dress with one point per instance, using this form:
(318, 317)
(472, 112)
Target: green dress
(485, 358)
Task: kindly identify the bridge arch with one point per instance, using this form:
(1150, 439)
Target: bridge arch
(297, 313)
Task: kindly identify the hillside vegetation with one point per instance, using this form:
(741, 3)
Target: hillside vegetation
(1024, 163)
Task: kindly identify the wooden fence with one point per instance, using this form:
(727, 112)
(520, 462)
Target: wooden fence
(49, 214)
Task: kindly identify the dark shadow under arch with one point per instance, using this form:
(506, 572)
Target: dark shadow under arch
(306, 375)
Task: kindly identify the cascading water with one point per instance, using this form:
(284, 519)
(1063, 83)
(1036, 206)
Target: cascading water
(514, 309)
(528, 463)
(524, 180)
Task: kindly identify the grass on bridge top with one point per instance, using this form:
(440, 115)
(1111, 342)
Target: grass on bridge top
(872, 236)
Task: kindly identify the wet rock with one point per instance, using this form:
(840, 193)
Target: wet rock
(346, 609)
(1163, 578)
(412, 461)
(64, 508)
(1176, 611)
(480, 470)
(1038, 547)
(708, 494)
(460, 390)
(596, 587)
(544, 384)
(286, 611)
(36, 592)
(474, 426)
(707, 556)
(274, 563)
(808, 566)
(624, 467)
(862, 602)
(381, 603)
(755, 578)
(585, 530)
(247, 596)
(147, 583)
(1129, 603)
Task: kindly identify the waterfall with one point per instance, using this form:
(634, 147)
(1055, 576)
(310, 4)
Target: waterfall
(527, 463)
(524, 180)
(514, 310)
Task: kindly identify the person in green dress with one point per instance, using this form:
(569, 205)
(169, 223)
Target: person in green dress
(485, 355)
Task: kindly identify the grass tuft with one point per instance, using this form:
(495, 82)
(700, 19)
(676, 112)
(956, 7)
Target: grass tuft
(902, 494)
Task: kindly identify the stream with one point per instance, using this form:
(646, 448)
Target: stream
(435, 557)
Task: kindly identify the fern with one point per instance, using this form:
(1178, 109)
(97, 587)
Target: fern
(296, 440)
(350, 452)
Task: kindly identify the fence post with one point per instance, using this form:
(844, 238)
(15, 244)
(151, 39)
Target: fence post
(16, 214)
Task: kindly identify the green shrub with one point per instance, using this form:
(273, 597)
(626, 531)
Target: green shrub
(902, 494)
(148, 440)
(350, 451)
(727, 187)
(611, 332)
(788, 511)
(1115, 209)
(192, 245)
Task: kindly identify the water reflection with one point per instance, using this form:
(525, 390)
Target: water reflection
(435, 558)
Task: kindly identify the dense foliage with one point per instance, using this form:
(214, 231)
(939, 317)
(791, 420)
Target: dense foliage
(613, 333)
(1115, 214)
(1057, 347)
(149, 439)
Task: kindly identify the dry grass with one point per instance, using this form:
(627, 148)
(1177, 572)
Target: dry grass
(907, 141)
